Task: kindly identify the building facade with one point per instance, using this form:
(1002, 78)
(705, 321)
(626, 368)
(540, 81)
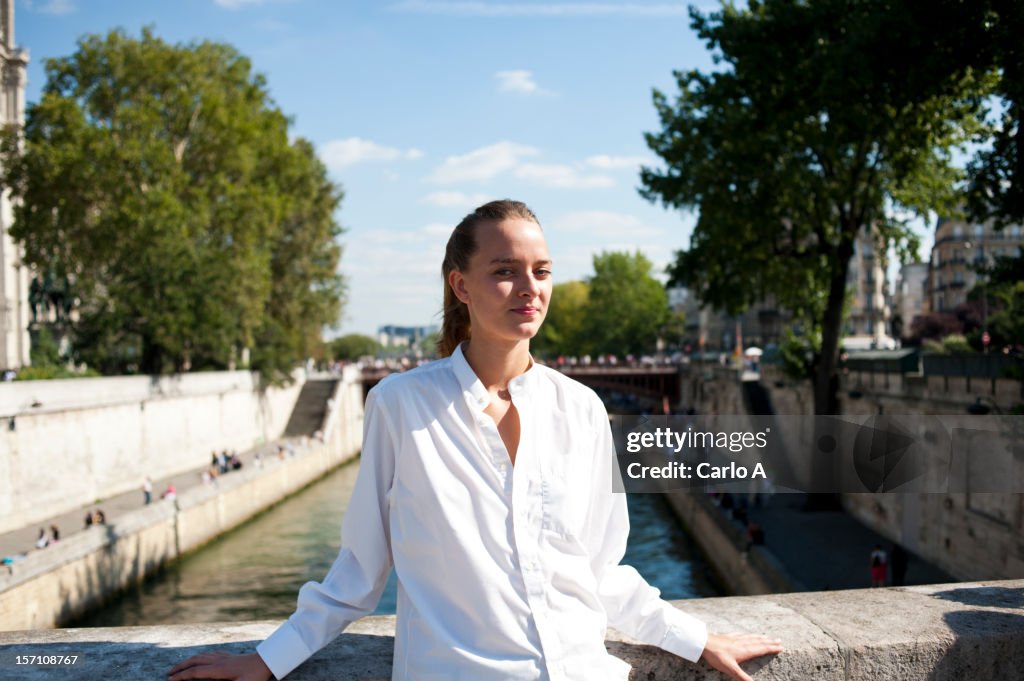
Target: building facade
(909, 297)
(14, 275)
(403, 336)
(960, 248)
(868, 322)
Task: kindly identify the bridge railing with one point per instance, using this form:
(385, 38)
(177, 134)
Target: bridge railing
(937, 632)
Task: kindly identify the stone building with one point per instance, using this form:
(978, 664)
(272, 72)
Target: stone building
(961, 246)
(868, 323)
(909, 297)
(14, 275)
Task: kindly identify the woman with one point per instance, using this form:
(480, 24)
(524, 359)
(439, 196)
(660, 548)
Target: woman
(486, 481)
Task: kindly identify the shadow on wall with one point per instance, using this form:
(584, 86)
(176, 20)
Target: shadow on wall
(987, 643)
(105, 577)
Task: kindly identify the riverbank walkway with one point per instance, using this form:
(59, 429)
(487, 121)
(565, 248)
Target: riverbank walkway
(824, 550)
(23, 541)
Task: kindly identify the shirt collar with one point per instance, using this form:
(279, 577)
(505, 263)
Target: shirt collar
(474, 387)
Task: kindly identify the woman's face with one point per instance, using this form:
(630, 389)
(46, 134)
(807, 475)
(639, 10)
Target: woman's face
(508, 282)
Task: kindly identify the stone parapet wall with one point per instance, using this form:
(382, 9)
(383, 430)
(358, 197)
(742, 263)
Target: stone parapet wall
(65, 444)
(51, 587)
(938, 632)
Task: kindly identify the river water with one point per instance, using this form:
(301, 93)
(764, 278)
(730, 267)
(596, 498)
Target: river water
(255, 571)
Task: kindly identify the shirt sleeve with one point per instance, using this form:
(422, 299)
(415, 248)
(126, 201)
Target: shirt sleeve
(354, 584)
(633, 606)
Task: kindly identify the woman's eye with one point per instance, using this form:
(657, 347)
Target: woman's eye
(504, 272)
(543, 273)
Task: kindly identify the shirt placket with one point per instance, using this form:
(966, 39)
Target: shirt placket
(527, 517)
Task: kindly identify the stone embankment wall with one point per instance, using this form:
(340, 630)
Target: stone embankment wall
(50, 587)
(970, 536)
(67, 443)
(744, 570)
(938, 632)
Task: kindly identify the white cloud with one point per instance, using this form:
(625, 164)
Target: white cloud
(550, 9)
(339, 154)
(453, 199)
(606, 162)
(437, 230)
(605, 224)
(481, 164)
(519, 81)
(558, 176)
(52, 7)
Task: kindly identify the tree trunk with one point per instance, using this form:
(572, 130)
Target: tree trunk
(824, 466)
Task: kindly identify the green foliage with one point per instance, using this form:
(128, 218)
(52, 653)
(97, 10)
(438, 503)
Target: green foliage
(353, 346)
(45, 351)
(50, 372)
(626, 306)
(160, 181)
(1005, 290)
(997, 171)
(562, 332)
(828, 119)
(956, 343)
(428, 345)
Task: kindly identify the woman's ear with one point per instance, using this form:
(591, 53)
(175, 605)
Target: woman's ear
(458, 284)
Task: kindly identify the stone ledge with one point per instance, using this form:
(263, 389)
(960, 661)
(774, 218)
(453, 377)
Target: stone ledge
(947, 631)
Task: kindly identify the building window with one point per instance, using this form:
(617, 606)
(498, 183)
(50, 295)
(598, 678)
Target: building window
(958, 232)
(979, 232)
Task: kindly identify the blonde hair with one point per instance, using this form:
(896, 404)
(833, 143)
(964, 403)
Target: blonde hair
(461, 247)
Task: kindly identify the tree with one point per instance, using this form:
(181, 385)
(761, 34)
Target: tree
(160, 182)
(626, 306)
(830, 119)
(1004, 288)
(353, 346)
(997, 171)
(561, 333)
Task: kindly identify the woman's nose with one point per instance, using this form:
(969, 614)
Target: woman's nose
(530, 286)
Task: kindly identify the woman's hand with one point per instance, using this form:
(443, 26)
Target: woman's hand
(726, 652)
(219, 665)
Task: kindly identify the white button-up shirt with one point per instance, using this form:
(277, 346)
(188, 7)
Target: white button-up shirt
(504, 572)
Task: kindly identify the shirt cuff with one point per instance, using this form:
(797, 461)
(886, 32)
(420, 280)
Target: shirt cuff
(284, 650)
(686, 636)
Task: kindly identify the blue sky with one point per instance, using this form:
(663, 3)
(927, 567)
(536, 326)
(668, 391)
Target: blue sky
(423, 109)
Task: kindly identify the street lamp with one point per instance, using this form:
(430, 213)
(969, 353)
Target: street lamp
(985, 338)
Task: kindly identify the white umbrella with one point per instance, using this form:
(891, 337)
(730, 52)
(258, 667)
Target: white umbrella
(753, 352)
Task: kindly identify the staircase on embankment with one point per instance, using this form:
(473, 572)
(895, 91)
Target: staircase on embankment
(311, 407)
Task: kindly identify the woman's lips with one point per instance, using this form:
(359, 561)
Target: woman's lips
(527, 311)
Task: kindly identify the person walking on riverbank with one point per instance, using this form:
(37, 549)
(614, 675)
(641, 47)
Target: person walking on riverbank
(147, 491)
(879, 566)
(486, 482)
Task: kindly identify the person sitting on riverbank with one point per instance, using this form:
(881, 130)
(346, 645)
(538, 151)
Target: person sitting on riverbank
(485, 481)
